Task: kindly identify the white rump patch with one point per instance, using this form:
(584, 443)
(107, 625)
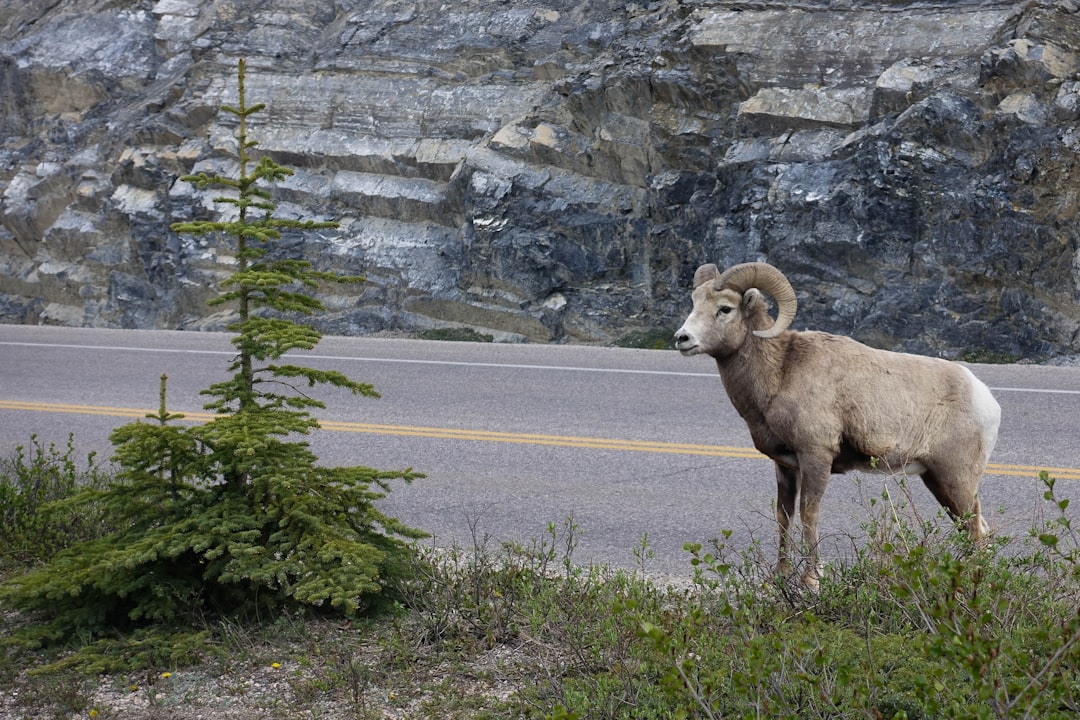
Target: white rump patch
(986, 410)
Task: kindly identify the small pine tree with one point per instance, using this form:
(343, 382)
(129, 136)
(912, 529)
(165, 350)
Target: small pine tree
(233, 516)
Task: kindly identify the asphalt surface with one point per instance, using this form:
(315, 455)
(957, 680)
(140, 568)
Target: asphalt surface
(630, 444)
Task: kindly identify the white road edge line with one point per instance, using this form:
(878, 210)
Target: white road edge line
(461, 363)
(350, 358)
(1036, 390)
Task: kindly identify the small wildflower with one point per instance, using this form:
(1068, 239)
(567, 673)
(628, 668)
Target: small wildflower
(275, 665)
(133, 688)
(166, 674)
(93, 712)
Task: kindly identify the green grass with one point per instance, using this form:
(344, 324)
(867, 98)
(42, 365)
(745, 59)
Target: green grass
(917, 623)
(989, 357)
(456, 334)
(654, 339)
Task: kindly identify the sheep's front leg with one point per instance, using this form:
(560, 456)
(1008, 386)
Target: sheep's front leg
(787, 489)
(814, 476)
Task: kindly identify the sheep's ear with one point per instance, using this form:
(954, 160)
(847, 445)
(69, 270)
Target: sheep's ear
(750, 297)
(705, 273)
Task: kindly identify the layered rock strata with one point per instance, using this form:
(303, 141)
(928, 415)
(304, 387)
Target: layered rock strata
(554, 171)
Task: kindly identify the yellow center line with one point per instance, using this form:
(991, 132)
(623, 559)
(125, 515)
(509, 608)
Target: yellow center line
(1062, 473)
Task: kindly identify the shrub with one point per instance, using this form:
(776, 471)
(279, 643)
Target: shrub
(916, 625)
(33, 526)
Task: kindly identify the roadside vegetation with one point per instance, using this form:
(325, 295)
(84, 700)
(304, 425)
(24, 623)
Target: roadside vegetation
(218, 570)
(456, 334)
(233, 519)
(653, 339)
(916, 623)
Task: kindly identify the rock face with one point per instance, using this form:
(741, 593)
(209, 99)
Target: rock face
(555, 170)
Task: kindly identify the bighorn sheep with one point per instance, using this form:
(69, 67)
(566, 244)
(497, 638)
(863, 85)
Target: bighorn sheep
(817, 403)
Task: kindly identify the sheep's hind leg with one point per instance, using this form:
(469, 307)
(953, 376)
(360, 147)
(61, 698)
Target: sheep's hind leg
(787, 489)
(977, 527)
(960, 498)
(814, 477)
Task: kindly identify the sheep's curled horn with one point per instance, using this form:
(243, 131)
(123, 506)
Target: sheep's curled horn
(765, 278)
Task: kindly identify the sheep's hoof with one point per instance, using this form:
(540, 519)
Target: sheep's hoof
(783, 569)
(811, 580)
(978, 531)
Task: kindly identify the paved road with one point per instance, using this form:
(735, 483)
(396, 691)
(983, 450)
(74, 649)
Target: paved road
(514, 437)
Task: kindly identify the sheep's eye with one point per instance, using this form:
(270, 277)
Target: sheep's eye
(724, 310)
